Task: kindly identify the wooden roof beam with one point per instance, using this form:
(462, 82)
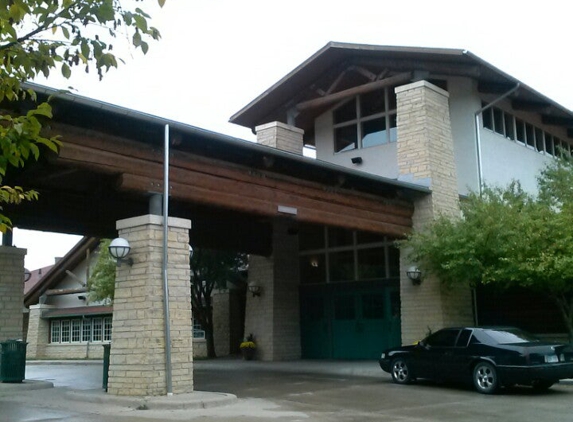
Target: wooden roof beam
(351, 92)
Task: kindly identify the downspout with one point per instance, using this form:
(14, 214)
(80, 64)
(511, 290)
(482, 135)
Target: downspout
(478, 137)
(166, 316)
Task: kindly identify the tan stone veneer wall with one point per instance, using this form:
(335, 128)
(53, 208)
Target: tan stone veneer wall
(11, 292)
(274, 316)
(281, 136)
(137, 361)
(38, 332)
(426, 156)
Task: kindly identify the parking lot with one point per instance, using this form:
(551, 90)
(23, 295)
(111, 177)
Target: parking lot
(294, 391)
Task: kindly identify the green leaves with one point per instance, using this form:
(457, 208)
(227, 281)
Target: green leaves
(508, 238)
(37, 37)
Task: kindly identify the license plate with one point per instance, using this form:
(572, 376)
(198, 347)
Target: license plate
(551, 359)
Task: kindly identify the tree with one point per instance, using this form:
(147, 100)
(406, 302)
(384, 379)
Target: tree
(101, 284)
(39, 36)
(507, 238)
(212, 269)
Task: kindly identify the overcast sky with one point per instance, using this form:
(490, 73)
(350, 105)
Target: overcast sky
(216, 56)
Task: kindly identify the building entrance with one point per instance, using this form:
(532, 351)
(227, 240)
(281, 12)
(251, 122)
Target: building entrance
(354, 320)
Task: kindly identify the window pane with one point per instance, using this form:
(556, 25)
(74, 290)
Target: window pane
(66, 331)
(310, 237)
(393, 127)
(340, 237)
(464, 338)
(76, 330)
(394, 261)
(371, 263)
(373, 306)
(107, 329)
(341, 266)
(345, 112)
(313, 269)
(345, 138)
(97, 329)
(520, 130)
(374, 132)
(509, 129)
(539, 140)
(367, 237)
(443, 338)
(372, 103)
(549, 144)
(344, 308)
(87, 330)
(530, 136)
(488, 119)
(392, 103)
(55, 332)
(498, 121)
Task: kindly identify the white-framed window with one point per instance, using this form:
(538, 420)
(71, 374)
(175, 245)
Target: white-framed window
(97, 329)
(523, 133)
(107, 329)
(55, 331)
(366, 120)
(78, 330)
(66, 331)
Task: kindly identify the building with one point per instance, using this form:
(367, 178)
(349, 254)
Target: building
(436, 118)
(401, 134)
(61, 322)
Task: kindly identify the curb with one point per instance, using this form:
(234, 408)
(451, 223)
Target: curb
(195, 400)
(27, 385)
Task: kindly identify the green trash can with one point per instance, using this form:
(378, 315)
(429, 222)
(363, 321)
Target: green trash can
(13, 361)
(106, 352)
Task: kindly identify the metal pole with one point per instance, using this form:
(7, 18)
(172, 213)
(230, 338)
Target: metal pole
(165, 279)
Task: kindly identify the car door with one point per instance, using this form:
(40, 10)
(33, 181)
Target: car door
(434, 353)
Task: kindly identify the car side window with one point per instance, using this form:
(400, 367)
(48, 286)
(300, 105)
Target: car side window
(443, 338)
(464, 338)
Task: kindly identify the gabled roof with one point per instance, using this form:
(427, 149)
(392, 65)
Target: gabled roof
(323, 70)
(58, 271)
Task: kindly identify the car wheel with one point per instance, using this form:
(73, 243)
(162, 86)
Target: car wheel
(485, 378)
(400, 371)
(542, 385)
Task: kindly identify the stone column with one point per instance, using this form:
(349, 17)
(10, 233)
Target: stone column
(11, 292)
(426, 156)
(281, 136)
(38, 332)
(274, 316)
(137, 361)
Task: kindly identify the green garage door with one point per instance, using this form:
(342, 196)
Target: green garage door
(355, 321)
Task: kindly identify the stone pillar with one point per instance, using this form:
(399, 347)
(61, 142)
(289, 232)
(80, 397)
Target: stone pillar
(11, 292)
(274, 316)
(426, 156)
(221, 322)
(38, 332)
(281, 136)
(137, 361)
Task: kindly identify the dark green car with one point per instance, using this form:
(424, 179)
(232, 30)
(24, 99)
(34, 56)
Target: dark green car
(490, 357)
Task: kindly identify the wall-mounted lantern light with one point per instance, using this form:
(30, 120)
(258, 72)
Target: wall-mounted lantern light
(27, 274)
(119, 249)
(190, 252)
(414, 274)
(255, 289)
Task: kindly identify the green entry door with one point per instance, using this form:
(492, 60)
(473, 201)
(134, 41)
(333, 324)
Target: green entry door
(315, 326)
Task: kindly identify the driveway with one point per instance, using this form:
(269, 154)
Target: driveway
(294, 391)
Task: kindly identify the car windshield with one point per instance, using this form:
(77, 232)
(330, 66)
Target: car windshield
(510, 335)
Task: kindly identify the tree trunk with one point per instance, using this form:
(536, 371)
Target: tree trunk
(565, 307)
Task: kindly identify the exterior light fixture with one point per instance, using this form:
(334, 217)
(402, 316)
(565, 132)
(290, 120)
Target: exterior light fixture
(255, 289)
(190, 252)
(414, 274)
(119, 248)
(27, 274)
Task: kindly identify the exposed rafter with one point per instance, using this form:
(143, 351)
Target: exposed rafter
(361, 89)
(548, 119)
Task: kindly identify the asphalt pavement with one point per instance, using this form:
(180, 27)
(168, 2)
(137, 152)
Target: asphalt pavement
(260, 391)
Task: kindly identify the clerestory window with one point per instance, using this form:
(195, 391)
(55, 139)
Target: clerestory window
(365, 121)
